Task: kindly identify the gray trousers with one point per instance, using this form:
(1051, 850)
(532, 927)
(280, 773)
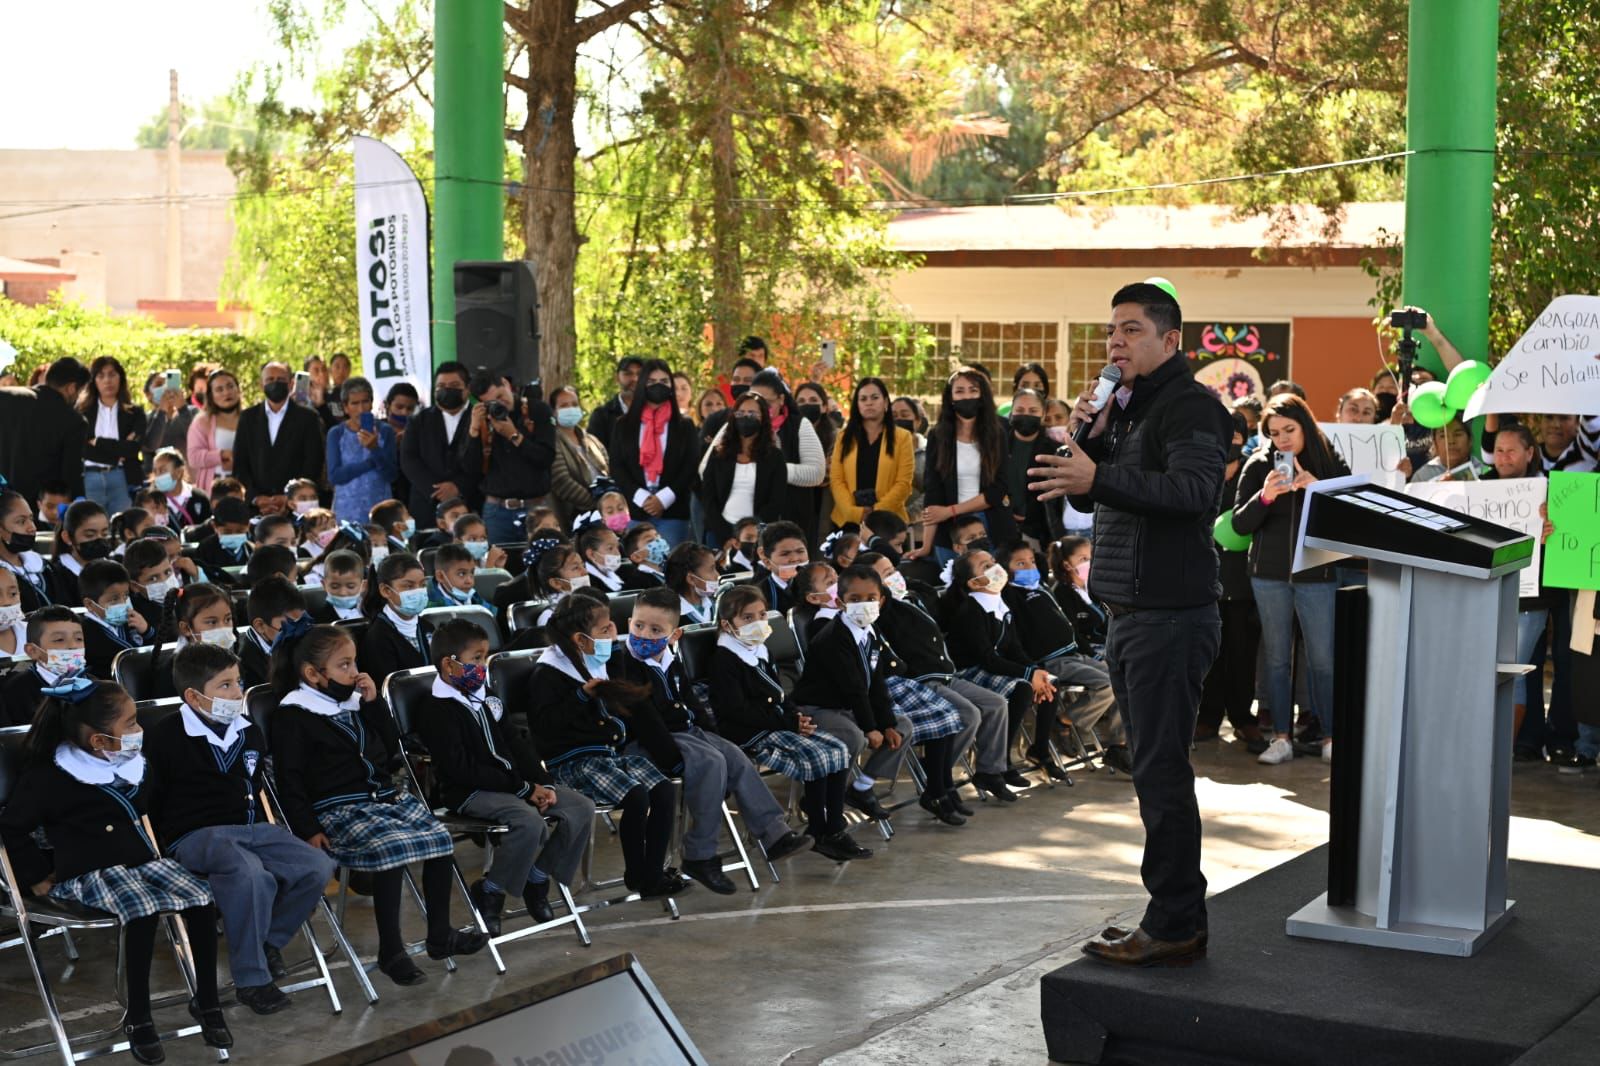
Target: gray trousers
(883, 764)
(1097, 707)
(984, 712)
(556, 849)
(266, 882)
(712, 768)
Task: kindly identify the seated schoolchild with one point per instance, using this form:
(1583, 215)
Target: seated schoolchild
(55, 651)
(113, 624)
(277, 611)
(152, 581)
(691, 572)
(393, 640)
(454, 581)
(471, 532)
(781, 554)
(13, 623)
(392, 517)
(602, 557)
(228, 545)
(646, 553)
(344, 583)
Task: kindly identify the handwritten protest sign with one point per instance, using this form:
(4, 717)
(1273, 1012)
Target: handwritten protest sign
(1376, 451)
(1572, 555)
(1552, 369)
(1513, 503)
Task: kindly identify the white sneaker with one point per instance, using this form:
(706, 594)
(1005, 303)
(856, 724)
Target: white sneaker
(1327, 751)
(1280, 750)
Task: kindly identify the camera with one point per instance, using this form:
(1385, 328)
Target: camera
(1408, 319)
(497, 410)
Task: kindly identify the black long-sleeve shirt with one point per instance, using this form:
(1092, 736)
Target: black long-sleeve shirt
(90, 827)
(519, 471)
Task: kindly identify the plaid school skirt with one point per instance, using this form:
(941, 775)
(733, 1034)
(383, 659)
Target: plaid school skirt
(932, 716)
(993, 682)
(794, 755)
(607, 778)
(134, 892)
(375, 836)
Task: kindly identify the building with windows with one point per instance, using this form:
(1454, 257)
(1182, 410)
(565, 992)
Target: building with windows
(1010, 285)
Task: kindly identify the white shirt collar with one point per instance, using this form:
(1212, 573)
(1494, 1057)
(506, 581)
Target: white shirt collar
(72, 565)
(444, 690)
(32, 563)
(196, 726)
(991, 602)
(451, 421)
(611, 581)
(93, 770)
(699, 611)
(310, 699)
(863, 634)
(749, 656)
(554, 656)
(825, 613)
(406, 626)
(1083, 594)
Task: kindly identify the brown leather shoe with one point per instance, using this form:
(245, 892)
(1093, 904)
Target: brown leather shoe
(1116, 932)
(1139, 948)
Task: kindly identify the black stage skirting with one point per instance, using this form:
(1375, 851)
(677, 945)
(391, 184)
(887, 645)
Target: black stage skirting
(1531, 996)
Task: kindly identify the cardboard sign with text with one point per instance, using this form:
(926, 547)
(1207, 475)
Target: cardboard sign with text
(1572, 555)
(1376, 451)
(1513, 503)
(1553, 369)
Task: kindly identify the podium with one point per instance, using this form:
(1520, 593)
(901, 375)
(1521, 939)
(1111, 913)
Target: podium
(1424, 659)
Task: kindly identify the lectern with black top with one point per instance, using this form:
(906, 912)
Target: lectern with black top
(1424, 657)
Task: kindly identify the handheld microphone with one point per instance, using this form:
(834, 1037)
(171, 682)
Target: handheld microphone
(1110, 378)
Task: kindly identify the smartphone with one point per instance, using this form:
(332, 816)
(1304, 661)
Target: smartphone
(368, 423)
(174, 381)
(1408, 319)
(830, 352)
(302, 388)
(1283, 463)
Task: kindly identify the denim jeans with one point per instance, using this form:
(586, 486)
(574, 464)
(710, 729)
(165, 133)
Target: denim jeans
(504, 525)
(1588, 740)
(1530, 627)
(108, 488)
(1279, 604)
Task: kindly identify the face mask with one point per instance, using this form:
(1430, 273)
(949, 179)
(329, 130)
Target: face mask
(157, 590)
(413, 602)
(1028, 579)
(303, 506)
(471, 677)
(408, 529)
(832, 592)
(738, 390)
(754, 633)
(10, 616)
(747, 548)
(617, 522)
(337, 691)
(787, 571)
(276, 391)
(1082, 570)
(17, 543)
(646, 647)
(896, 584)
(224, 711)
(1386, 402)
(219, 638)
(344, 603)
(966, 408)
(569, 417)
(575, 583)
(116, 614)
(128, 746)
(479, 549)
(747, 426)
(231, 542)
(810, 411)
(96, 549)
(906, 424)
(450, 397)
(379, 554)
(601, 654)
(165, 483)
(657, 392)
(1025, 425)
(861, 614)
(609, 563)
(997, 577)
(658, 550)
(65, 662)
(399, 421)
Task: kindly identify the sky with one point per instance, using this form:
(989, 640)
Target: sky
(98, 68)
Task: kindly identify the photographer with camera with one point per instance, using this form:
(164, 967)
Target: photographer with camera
(518, 451)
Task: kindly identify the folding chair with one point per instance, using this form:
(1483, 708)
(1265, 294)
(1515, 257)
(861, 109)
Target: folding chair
(135, 670)
(316, 598)
(622, 608)
(433, 617)
(489, 578)
(356, 626)
(260, 702)
(403, 691)
(150, 713)
(524, 614)
(49, 914)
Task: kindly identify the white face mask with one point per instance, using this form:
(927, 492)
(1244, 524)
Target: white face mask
(157, 590)
(575, 583)
(754, 633)
(10, 616)
(221, 638)
(862, 614)
(224, 711)
(379, 555)
(896, 584)
(610, 563)
(65, 661)
(997, 577)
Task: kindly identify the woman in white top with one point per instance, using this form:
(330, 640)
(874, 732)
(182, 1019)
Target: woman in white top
(966, 453)
(744, 474)
(211, 433)
(806, 459)
(115, 437)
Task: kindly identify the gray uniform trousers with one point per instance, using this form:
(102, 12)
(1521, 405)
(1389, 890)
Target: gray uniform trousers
(983, 712)
(1097, 707)
(532, 841)
(883, 764)
(714, 766)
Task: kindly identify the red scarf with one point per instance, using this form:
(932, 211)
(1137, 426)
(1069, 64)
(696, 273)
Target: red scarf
(653, 420)
(780, 415)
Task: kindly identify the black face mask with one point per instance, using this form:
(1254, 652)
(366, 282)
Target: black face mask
(967, 408)
(747, 548)
(1386, 402)
(1235, 452)
(1026, 425)
(449, 397)
(810, 411)
(276, 391)
(17, 543)
(657, 392)
(738, 390)
(96, 549)
(906, 424)
(747, 426)
(335, 691)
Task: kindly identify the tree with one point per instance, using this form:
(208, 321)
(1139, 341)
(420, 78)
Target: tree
(223, 122)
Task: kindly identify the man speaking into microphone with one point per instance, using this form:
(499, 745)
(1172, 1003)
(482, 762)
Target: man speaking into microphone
(1149, 463)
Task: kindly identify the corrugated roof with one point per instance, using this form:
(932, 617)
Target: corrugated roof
(1049, 227)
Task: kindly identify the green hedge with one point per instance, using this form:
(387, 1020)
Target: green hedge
(60, 328)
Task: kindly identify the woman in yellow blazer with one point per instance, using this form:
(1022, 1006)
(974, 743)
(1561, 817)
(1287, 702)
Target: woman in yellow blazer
(873, 459)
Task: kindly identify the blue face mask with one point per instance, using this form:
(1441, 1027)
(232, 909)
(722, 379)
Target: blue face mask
(646, 647)
(601, 654)
(165, 483)
(568, 417)
(116, 614)
(478, 548)
(344, 603)
(413, 601)
(410, 529)
(658, 550)
(456, 594)
(1028, 579)
(231, 542)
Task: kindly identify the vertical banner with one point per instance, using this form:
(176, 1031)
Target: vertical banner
(392, 270)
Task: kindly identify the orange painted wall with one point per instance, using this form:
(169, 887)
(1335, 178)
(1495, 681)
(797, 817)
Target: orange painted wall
(1330, 356)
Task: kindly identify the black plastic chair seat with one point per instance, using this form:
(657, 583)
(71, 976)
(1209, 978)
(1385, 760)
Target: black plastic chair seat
(47, 910)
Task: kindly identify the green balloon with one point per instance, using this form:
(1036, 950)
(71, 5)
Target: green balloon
(1162, 283)
(1227, 538)
(1464, 381)
(1429, 407)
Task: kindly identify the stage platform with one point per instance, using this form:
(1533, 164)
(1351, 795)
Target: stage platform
(1260, 997)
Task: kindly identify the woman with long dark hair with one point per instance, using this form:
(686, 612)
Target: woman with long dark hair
(654, 450)
(116, 435)
(1269, 507)
(874, 460)
(211, 433)
(802, 451)
(966, 457)
(744, 474)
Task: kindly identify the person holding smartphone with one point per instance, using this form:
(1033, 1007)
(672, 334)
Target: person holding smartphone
(363, 455)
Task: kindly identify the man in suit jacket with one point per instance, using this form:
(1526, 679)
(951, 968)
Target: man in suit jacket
(278, 440)
(606, 415)
(41, 435)
(435, 453)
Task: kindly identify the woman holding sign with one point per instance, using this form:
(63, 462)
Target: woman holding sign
(1270, 508)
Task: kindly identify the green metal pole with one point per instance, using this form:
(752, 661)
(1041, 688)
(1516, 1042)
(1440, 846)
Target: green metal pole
(468, 150)
(1450, 119)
